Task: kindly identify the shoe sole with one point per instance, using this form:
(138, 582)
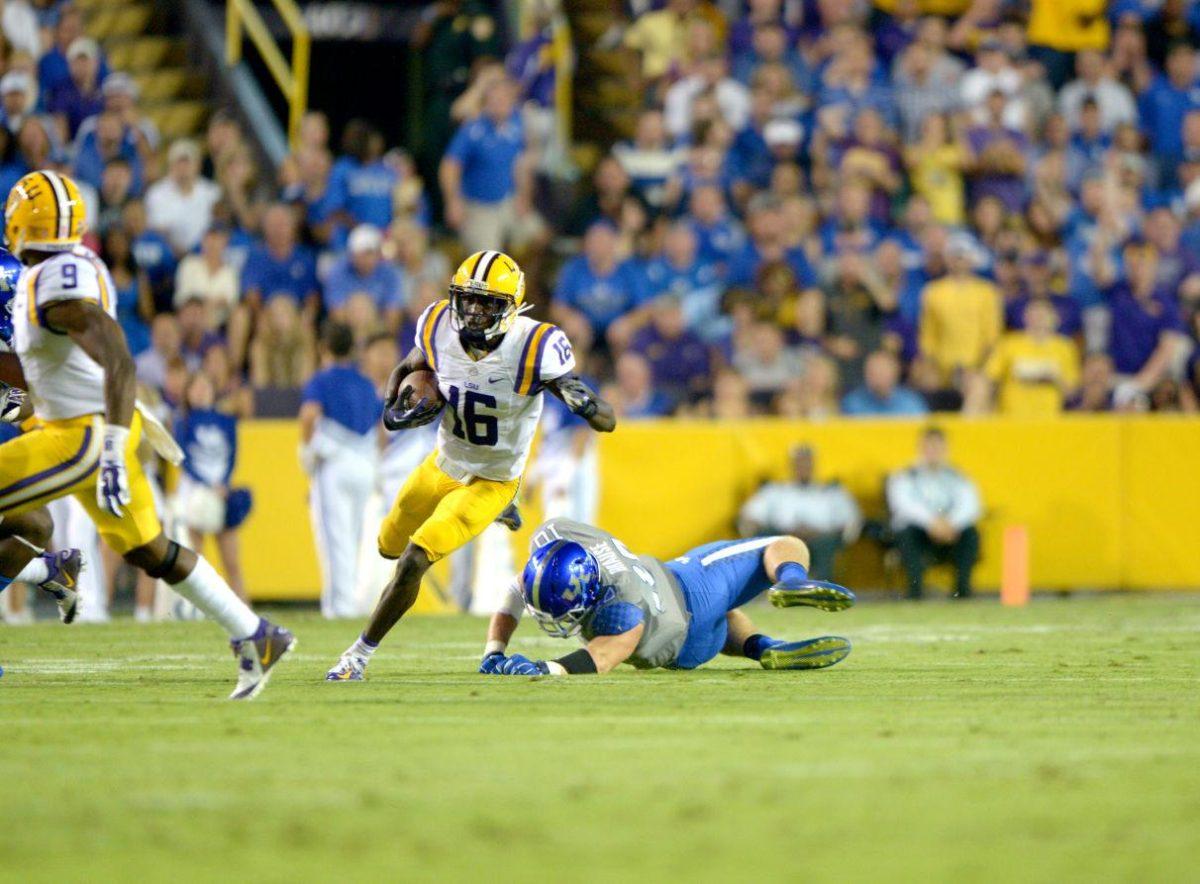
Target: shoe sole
(827, 598)
(66, 615)
(818, 653)
(262, 682)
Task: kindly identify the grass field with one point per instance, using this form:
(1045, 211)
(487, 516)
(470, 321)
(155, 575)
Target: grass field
(964, 742)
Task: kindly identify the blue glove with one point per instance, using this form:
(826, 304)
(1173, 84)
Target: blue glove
(492, 662)
(518, 664)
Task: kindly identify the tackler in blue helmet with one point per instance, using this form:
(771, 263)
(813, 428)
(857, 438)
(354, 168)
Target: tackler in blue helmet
(10, 269)
(561, 584)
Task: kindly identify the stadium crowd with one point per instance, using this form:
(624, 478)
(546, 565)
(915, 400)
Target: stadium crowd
(823, 207)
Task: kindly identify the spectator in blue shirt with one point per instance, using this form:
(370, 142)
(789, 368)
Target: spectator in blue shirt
(1146, 327)
(719, 236)
(108, 140)
(766, 244)
(205, 502)
(279, 305)
(881, 393)
(1167, 100)
(362, 182)
(633, 393)
(338, 424)
(362, 289)
(53, 67)
(680, 272)
(487, 178)
(79, 96)
(596, 288)
(153, 254)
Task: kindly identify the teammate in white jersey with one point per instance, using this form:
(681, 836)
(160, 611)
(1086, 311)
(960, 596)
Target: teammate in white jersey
(81, 379)
(492, 365)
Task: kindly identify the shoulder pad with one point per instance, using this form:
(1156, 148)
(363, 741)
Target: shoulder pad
(616, 618)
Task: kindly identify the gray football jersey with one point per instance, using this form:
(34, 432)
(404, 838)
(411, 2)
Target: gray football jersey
(639, 580)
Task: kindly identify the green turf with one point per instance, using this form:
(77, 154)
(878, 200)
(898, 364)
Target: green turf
(957, 742)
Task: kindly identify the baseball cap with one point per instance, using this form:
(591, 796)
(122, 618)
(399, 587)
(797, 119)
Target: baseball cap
(184, 148)
(119, 83)
(780, 132)
(83, 46)
(16, 81)
(364, 238)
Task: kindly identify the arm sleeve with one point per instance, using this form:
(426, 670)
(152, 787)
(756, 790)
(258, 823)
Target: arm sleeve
(460, 145)
(422, 321)
(312, 391)
(907, 508)
(557, 357)
(513, 603)
(69, 280)
(967, 508)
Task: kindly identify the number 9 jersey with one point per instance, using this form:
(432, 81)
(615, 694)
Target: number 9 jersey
(492, 403)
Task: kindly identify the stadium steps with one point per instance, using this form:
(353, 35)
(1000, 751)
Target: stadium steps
(136, 36)
(608, 92)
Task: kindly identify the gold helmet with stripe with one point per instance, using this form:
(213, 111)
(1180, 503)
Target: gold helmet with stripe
(45, 213)
(487, 292)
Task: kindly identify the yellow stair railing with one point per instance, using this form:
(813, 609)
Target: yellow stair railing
(292, 80)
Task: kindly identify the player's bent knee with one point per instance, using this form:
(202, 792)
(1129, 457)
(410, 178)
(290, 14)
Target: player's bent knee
(36, 526)
(412, 564)
(787, 549)
(162, 559)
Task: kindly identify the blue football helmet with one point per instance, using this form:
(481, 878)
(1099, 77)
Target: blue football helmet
(10, 269)
(561, 585)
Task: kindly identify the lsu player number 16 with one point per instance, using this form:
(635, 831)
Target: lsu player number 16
(87, 423)
(492, 366)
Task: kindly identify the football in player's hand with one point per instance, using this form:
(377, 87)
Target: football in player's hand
(424, 386)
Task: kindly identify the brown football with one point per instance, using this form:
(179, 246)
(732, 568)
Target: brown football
(424, 385)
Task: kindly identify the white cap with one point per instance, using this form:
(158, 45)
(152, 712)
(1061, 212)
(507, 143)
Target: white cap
(183, 148)
(119, 83)
(782, 132)
(364, 238)
(16, 81)
(83, 46)
(1191, 196)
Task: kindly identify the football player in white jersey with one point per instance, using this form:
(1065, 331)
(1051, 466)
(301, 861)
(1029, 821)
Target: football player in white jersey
(492, 365)
(81, 379)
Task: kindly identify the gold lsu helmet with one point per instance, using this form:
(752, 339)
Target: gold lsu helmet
(45, 213)
(487, 292)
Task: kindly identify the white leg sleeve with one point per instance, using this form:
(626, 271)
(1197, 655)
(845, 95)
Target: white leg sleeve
(35, 571)
(205, 589)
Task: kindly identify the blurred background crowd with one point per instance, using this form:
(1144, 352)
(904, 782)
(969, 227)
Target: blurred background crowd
(809, 208)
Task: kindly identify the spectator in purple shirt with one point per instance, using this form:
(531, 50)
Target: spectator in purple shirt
(1147, 331)
(679, 359)
(632, 393)
(79, 97)
(998, 157)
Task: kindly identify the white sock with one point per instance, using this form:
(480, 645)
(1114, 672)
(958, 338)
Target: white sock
(35, 571)
(205, 589)
(363, 648)
(143, 615)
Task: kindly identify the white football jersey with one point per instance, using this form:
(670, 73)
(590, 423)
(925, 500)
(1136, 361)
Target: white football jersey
(64, 381)
(493, 403)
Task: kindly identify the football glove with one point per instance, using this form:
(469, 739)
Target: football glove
(11, 400)
(112, 482)
(399, 415)
(519, 664)
(577, 396)
(492, 662)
